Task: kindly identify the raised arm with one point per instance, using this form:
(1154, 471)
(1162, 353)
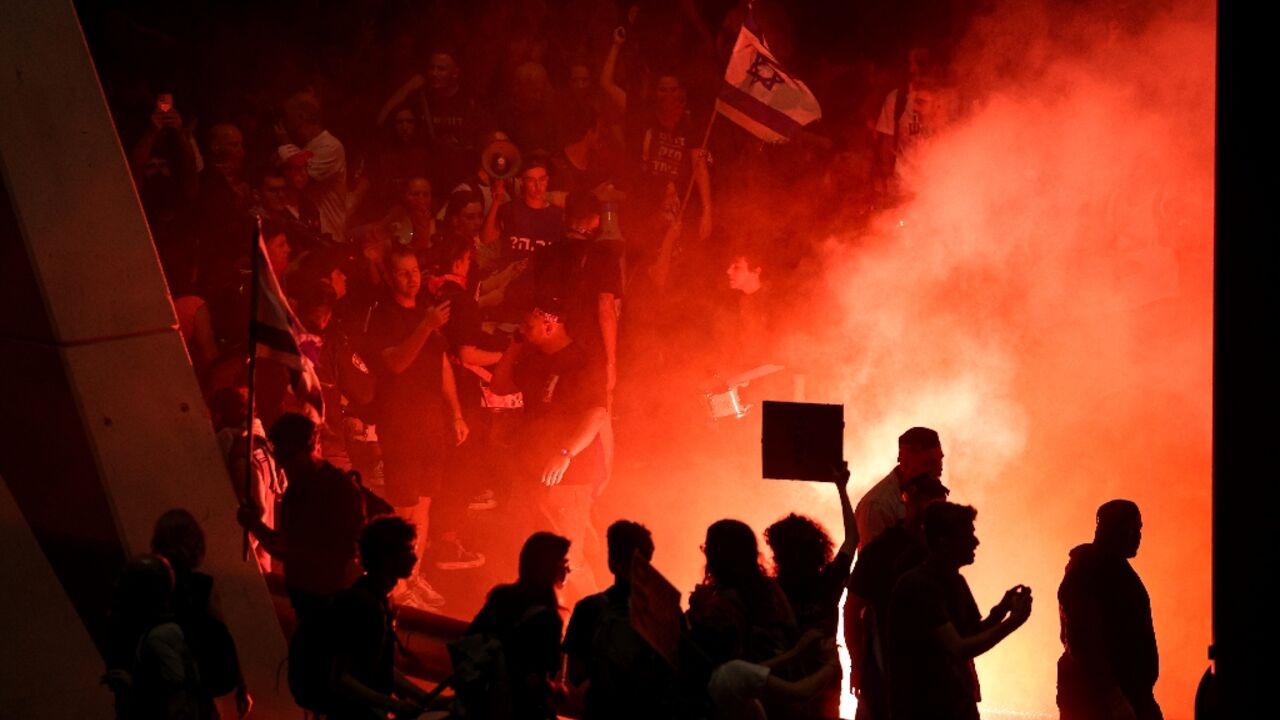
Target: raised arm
(612, 91)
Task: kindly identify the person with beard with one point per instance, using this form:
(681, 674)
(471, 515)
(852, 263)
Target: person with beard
(1110, 662)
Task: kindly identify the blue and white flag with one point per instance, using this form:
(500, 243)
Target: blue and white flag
(279, 335)
(759, 95)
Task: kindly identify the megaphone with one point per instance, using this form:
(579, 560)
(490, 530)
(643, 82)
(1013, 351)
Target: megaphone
(500, 159)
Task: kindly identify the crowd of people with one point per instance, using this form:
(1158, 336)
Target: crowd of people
(753, 643)
(459, 200)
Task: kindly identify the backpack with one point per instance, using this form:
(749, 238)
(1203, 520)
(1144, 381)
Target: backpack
(208, 638)
(481, 683)
(215, 653)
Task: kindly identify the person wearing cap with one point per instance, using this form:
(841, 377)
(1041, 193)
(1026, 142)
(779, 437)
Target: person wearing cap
(560, 450)
(919, 451)
(880, 564)
(1110, 661)
(302, 129)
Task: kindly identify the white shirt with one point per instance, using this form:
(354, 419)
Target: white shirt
(328, 189)
(880, 508)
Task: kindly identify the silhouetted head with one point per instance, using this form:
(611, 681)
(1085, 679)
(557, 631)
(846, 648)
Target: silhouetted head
(949, 532)
(919, 451)
(625, 540)
(387, 547)
(544, 560)
(733, 557)
(919, 492)
(801, 547)
(1119, 528)
(179, 539)
(295, 443)
(144, 590)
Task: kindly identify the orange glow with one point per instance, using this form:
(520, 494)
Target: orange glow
(1044, 301)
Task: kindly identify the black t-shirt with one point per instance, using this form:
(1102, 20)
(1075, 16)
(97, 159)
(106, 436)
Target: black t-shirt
(577, 271)
(567, 177)
(410, 401)
(559, 390)
(926, 682)
(816, 601)
(524, 229)
(463, 329)
(364, 641)
(882, 562)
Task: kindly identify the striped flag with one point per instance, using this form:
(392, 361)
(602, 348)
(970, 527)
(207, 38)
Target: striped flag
(759, 95)
(279, 335)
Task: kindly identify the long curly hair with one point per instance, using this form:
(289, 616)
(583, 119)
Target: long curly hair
(801, 547)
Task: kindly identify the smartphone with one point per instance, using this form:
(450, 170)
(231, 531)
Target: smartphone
(164, 102)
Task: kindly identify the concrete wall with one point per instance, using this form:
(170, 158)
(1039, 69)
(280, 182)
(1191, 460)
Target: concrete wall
(102, 426)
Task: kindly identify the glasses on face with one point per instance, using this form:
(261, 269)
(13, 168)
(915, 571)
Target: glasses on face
(537, 180)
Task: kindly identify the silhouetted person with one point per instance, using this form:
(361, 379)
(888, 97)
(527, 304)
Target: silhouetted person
(626, 677)
(813, 580)
(178, 538)
(919, 451)
(150, 668)
(880, 564)
(1110, 661)
(935, 628)
(366, 682)
(739, 612)
(525, 618)
(320, 517)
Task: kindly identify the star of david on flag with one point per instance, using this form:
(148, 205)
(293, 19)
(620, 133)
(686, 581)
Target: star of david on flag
(759, 94)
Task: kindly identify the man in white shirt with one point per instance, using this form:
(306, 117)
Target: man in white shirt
(301, 128)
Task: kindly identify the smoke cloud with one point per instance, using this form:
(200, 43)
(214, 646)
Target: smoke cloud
(1044, 301)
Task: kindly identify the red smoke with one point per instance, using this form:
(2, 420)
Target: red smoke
(1044, 301)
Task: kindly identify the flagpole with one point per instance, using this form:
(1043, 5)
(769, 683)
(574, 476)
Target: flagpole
(253, 366)
(668, 240)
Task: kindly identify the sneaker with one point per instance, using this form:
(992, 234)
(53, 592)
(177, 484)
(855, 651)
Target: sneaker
(452, 556)
(484, 501)
(418, 593)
